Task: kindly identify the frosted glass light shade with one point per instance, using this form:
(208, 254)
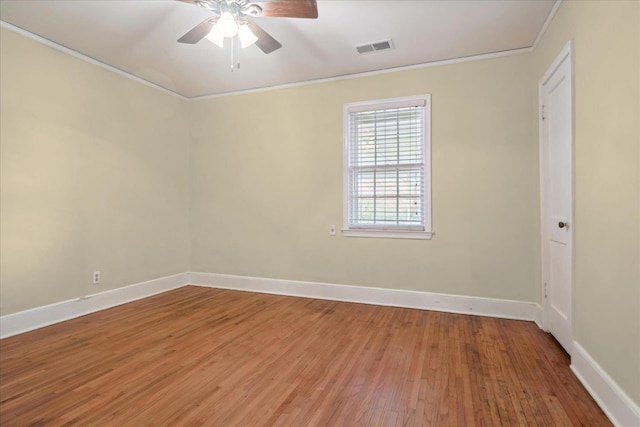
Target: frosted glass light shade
(215, 36)
(227, 25)
(246, 36)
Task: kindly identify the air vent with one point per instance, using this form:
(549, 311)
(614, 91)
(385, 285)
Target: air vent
(374, 47)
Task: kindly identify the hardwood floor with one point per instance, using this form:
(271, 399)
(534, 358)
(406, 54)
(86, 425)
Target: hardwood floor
(199, 356)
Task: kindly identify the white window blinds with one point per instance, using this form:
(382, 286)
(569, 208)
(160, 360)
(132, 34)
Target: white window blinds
(386, 166)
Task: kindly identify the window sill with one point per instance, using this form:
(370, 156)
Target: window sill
(389, 234)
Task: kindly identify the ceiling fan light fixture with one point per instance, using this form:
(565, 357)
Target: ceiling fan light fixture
(246, 36)
(227, 24)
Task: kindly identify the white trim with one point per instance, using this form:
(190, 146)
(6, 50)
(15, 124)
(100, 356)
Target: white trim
(39, 317)
(387, 234)
(28, 320)
(615, 403)
(537, 318)
(402, 102)
(81, 56)
(565, 53)
(452, 61)
(425, 233)
(507, 309)
(88, 59)
(547, 21)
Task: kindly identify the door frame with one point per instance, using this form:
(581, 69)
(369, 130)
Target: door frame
(565, 53)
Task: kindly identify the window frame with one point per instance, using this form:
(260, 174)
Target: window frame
(381, 231)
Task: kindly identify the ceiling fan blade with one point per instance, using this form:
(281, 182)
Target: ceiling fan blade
(198, 32)
(265, 42)
(288, 8)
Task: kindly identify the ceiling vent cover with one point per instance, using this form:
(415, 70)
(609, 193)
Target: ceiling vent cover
(374, 47)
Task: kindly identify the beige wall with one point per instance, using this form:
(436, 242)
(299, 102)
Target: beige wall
(607, 178)
(94, 177)
(267, 183)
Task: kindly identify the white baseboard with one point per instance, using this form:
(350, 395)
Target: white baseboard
(538, 316)
(507, 309)
(619, 407)
(28, 320)
(39, 317)
(614, 402)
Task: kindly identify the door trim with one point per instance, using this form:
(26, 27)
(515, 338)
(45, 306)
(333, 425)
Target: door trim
(566, 52)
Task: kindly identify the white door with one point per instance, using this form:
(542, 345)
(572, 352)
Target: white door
(556, 153)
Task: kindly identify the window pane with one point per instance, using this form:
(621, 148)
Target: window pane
(387, 137)
(387, 197)
(386, 165)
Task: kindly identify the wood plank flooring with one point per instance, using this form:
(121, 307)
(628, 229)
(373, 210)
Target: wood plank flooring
(199, 356)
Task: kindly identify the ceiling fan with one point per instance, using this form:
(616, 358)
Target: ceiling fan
(234, 19)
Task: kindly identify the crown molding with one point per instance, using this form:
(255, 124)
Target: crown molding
(481, 57)
(100, 64)
(86, 58)
(451, 61)
(547, 21)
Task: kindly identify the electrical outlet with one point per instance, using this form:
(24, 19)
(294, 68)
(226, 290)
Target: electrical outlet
(96, 277)
(332, 230)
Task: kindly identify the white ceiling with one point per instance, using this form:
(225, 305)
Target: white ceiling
(139, 38)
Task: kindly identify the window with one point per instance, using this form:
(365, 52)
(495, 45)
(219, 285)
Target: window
(387, 168)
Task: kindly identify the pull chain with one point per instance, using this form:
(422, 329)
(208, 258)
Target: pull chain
(235, 53)
(233, 46)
